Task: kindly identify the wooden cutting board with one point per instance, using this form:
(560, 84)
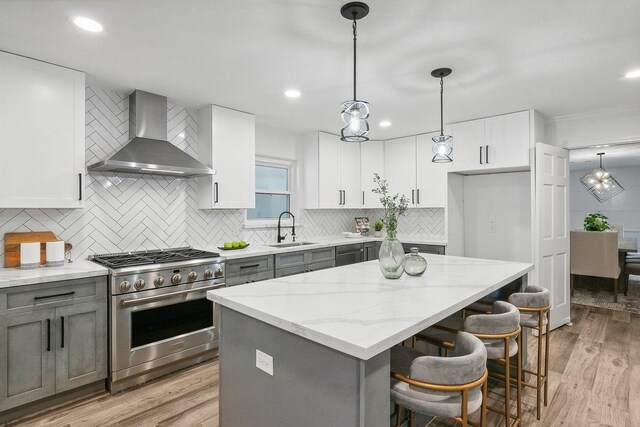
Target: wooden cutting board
(12, 245)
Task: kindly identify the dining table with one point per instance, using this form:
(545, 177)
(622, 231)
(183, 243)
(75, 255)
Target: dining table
(625, 245)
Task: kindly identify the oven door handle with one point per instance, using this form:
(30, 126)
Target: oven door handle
(138, 301)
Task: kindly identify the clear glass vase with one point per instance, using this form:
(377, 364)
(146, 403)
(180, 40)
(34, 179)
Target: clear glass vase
(414, 264)
(391, 257)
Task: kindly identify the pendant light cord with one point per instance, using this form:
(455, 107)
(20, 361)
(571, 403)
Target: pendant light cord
(441, 104)
(355, 36)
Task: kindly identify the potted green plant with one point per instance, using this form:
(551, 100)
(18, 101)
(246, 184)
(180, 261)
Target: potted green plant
(377, 227)
(391, 256)
(596, 222)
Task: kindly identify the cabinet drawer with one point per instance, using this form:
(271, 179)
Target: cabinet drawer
(427, 249)
(249, 265)
(249, 278)
(321, 265)
(320, 255)
(24, 299)
(290, 259)
(290, 271)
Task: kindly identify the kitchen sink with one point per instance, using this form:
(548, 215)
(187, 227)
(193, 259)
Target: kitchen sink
(291, 244)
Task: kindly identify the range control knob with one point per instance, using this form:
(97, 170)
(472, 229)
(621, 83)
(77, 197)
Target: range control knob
(193, 276)
(219, 272)
(158, 281)
(208, 273)
(139, 284)
(176, 279)
(125, 286)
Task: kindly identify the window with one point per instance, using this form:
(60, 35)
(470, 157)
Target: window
(273, 196)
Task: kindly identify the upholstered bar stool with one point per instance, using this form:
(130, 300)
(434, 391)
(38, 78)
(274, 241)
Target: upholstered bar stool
(500, 334)
(451, 387)
(534, 305)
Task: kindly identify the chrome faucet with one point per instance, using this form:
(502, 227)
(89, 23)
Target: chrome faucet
(293, 227)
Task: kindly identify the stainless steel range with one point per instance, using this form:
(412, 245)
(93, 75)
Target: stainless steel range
(160, 319)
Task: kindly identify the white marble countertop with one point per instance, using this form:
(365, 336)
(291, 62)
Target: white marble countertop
(10, 277)
(322, 242)
(354, 310)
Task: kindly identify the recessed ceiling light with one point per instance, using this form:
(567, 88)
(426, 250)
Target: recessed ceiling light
(633, 74)
(292, 93)
(385, 123)
(87, 24)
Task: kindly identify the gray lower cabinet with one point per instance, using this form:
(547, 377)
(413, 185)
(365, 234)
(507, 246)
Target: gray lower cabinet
(249, 270)
(57, 342)
(370, 252)
(298, 262)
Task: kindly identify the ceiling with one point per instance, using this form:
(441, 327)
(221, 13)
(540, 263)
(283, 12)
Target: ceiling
(559, 57)
(614, 156)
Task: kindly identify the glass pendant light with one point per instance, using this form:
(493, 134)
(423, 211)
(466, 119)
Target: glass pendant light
(601, 184)
(354, 113)
(442, 144)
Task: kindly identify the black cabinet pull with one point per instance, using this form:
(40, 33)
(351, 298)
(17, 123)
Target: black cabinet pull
(54, 296)
(413, 198)
(486, 155)
(79, 186)
(363, 197)
(215, 192)
(48, 334)
(249, 266)
(62, 333)
(418, 196)
(481, 155)
(344, 197)
(339, 197)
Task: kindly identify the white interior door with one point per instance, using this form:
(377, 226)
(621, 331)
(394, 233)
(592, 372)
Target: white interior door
(552, 228)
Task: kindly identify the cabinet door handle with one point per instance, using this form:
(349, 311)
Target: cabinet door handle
(48, 334)
(79, 186)
(413, 197)
(363, 197)
(344, 197)
(481, 155)
(215, 192)
(62, 332)
(486, 154)
(54, 296)
(418, 196)
(249, 266)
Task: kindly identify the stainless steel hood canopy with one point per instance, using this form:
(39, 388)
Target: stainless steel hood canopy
(148, 151)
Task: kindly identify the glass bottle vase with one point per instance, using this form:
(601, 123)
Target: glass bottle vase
(391, 257)
(414, 264)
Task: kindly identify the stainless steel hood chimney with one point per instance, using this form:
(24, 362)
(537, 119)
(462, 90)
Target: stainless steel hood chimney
(148, 151)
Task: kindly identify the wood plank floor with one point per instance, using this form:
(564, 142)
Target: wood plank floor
(594, 381)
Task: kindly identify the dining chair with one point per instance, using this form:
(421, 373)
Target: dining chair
(450, 387)
(631, 266)
(595, 253)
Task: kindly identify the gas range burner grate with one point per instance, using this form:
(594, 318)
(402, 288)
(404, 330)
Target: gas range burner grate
(160, 256)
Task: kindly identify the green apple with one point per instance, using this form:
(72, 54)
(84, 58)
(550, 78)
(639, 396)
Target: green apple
(228, 245)
(243, 244)
(236, 245)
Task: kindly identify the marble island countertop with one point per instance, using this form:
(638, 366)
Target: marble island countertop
(317, 243)
(80, 268)
(354, 310)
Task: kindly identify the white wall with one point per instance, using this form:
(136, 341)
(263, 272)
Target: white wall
(497, 216)
(621, 209)
(279, 143)
(584, 130)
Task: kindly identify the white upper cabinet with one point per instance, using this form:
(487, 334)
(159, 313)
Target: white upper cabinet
(227, 144)
(331, 172)
(499, 143)
(508, 140)
(371, 161)
(431, 187)
(41, 134)
(400, 166)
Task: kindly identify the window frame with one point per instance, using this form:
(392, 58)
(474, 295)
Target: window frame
(289, 165)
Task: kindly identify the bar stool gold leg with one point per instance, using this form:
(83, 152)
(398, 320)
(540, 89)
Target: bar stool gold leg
(410, 418)
(483, 414)
(519, 380)
(539, 366)
(507, 383)
(465, 407)
(398, 415)
(546, 362)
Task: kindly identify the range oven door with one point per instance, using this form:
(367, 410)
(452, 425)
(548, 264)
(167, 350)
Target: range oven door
(154, 328)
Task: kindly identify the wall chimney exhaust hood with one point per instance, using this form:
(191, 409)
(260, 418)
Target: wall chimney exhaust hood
(148, 151)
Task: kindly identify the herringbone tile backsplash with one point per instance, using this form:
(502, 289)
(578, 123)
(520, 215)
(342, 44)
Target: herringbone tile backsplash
(131, 212)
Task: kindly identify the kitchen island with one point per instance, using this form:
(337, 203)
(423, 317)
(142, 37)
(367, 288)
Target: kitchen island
(322, 339)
